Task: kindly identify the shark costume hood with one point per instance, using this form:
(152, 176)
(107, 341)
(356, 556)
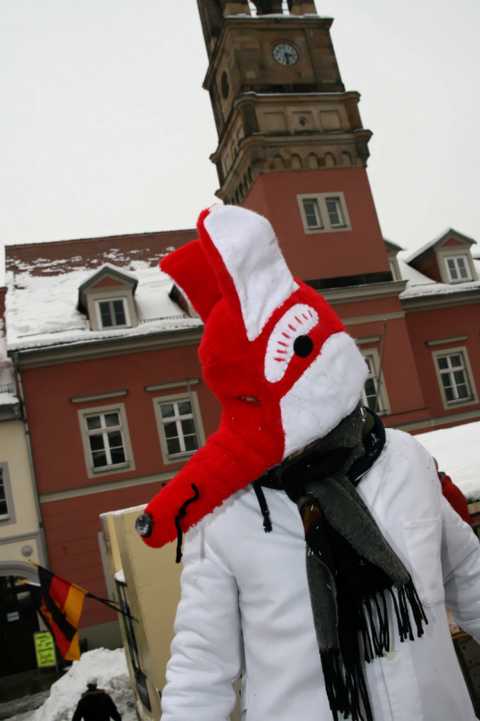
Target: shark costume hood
(273, 352)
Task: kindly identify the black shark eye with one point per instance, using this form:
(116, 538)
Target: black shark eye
(303, 346)
(144, 525)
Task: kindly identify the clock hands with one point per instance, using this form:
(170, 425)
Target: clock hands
(285, 54)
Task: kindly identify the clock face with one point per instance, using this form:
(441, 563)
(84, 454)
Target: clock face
(285, 54)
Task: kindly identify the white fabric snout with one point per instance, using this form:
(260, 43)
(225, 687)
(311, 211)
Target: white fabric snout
(328, 391)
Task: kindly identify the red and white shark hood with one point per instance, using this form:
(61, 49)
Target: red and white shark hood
(274, 352)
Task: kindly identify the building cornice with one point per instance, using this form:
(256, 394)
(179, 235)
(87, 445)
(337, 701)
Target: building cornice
(260, 140)
(440, 300)
(298, 97)
(89, 350)
(108, 486)
(364, 292)
(317, 137)
(439, 421)
(33, 535)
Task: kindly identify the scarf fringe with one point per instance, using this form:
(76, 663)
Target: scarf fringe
(405, 597)
(344, 672)
(346, 689)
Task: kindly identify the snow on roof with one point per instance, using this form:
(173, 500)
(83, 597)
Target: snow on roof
(413, 276)
(419, 285)
(318, 93)
(456, 450)
(115, 269)
(255, 15)
(58, 256)
(7, 378)
(416, 291)
(41, 310)
(431, 243)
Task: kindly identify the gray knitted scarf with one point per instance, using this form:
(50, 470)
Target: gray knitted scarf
(356, 579)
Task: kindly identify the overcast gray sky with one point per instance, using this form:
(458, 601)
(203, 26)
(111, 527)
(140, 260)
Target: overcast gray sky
(105, 128)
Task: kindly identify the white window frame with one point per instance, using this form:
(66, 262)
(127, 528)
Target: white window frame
(465, 368)
(375, 375)
(455, 259)
(128, 464)
(9, 516)
(158, 401)
(325, 224)
(112, 300)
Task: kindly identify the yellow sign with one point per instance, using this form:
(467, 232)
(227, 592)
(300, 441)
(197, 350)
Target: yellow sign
(45, 649)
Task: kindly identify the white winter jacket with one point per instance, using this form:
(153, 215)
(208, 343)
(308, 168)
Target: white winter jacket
(245, 605)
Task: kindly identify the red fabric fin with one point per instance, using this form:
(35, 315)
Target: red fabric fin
(189, 268)
(220, 468)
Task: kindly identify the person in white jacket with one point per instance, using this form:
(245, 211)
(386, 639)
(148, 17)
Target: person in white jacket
(245, 606)
(320, 554)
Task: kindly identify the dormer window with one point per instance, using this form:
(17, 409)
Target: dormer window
(458, 268)
(446, 259)
(107, 299)
(113, 313)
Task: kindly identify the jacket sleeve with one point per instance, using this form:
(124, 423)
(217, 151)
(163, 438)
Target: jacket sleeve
(206, 650)
(78, 715)
(461, 570)
(113, 710)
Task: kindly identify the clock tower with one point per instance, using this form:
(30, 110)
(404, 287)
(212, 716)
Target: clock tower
(291, 140)
(292, 146)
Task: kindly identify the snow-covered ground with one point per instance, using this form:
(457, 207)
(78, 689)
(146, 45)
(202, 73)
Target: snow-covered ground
(108, 668)
(457, 451)
(21, 709)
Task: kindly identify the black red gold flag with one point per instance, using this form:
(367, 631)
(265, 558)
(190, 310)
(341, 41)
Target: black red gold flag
(60, 603)
(61, 606)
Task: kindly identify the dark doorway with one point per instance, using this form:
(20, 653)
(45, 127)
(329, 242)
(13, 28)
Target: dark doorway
(18, 623)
